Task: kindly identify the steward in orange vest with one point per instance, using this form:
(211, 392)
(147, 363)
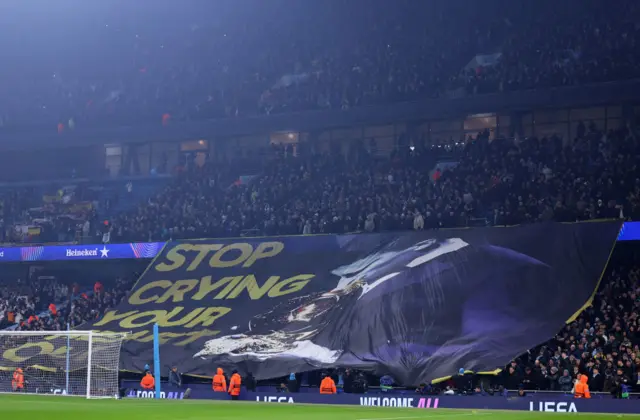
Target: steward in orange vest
(328, 386)
(148, 382)
(234, 385)
(581, 388)
(17, 382)
(219, 383)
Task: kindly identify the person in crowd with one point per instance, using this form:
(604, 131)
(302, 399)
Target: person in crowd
(148, 382)
(235, 385)
(219, 383)
(462, 382)
(581, 389)
(621, 385)
(596, 380)
(293, 383)
(17, 380)
(250, 382)
(175, 378)
(328, 386)
(565, 381)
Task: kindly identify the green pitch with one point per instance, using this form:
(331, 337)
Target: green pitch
(67, 408)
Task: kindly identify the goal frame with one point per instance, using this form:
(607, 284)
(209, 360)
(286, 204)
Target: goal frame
(68, 334)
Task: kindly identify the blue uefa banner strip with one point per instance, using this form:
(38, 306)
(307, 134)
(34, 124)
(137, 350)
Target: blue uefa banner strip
(80, 252)
(630, 232)
(545, 403)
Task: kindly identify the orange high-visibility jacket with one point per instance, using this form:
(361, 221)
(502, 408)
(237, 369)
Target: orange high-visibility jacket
(219, 383)
(148, 382)
(17, 382)
(235, 384)
(581, 388)
(327, 386)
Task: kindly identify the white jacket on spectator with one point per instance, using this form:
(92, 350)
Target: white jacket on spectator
(418, 222)
(369, 224)
(306, 229)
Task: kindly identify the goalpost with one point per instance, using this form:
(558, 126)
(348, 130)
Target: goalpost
(75, 363)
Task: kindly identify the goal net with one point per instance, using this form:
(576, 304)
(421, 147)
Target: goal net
(78, 363)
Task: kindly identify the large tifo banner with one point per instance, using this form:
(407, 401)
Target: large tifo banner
(417, 305)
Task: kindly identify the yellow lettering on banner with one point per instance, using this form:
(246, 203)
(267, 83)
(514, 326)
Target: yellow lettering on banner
(62, 351)
(207, 287)
(295, 284)
(13, 354)
(176, 258)
(26, 351)
(178, 290)
(209, 316)
(138, 335)
(264, 250)
(187, 318)
(241, 252)
(112, 316)
(254, 290)
(190, 337)
(217, 260)
(136, 297)
(136, 319)
(139, 320)
(203, 250)
(176, 339)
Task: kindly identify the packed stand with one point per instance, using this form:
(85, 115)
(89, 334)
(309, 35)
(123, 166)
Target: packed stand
(199, 203)
(187, 69)
(224, 66)
(499, 182)
(493, 182)
(21, 301)
(602, 343)
(506, 182)
(40, 214)
(69, 212)
(567, 46)
(50, 305)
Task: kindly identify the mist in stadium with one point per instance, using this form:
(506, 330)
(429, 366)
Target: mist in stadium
(359, 210)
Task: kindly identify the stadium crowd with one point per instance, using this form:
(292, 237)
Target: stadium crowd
(568, 47)
(188, 69)
(499, 182)
(51, 305)
(502, 181)
(602, 343)
(494, 182)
